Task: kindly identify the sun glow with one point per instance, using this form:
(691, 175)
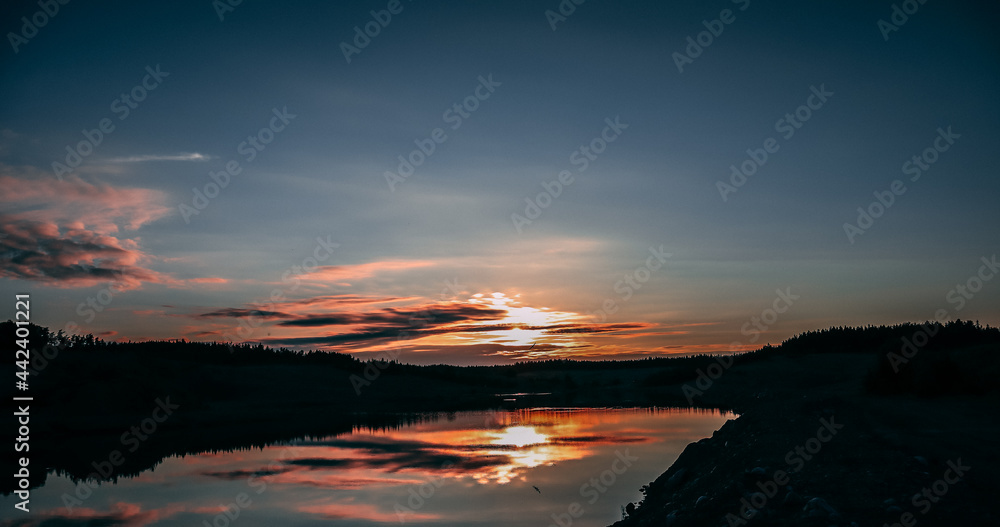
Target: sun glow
(502, 326)
(523, 325)
(520, 436)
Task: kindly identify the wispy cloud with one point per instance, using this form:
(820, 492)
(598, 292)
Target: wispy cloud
(382, 326)
(441, 313)
(231, 312)
(194, 156)
(345, 274)
(207, 280)
(121, 514)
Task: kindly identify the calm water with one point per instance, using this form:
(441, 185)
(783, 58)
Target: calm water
(466, 468)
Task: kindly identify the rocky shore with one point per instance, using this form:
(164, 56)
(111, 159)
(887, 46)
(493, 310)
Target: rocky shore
(820, 451)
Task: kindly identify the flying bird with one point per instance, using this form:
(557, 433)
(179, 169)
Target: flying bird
(536, 489)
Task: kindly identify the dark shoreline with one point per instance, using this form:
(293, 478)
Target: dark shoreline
(779, 455)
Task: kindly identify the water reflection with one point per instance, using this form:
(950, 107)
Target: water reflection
(489, 468)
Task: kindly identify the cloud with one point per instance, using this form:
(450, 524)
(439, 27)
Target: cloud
(121, 514)
(349, 510)
(175, 157)
(415, 321)
(426, 320)
(344, 274)
(233, 475)
(421, 320)
(41, 252)
(396, 455)
(437, 314)
(606, 439)
(593, 328)
(480, 330)
(207, 280)
(408, 460)
(232, 312)
(323, 320)
(337, 301)
(298, 474)
(149, 312)
(34, 195)
(67, 233)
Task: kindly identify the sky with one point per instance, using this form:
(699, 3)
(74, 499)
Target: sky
(479, 183)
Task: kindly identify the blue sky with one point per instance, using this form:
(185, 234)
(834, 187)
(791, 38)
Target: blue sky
(445, 234)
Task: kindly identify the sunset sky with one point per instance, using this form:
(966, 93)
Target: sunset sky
(572, 191)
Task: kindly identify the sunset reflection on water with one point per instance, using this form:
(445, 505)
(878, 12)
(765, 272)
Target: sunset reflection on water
(488, 468)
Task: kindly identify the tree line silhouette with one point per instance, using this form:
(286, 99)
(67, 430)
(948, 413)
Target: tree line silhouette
(954, 355)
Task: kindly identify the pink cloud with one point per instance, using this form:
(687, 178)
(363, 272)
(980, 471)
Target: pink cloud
(67, 233)
(336, 511)
(102, 207)
(343, 274)
(337, 302)
(121, 513)
(208, 280)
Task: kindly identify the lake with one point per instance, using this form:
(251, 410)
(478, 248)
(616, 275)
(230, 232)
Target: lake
(536, 467)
